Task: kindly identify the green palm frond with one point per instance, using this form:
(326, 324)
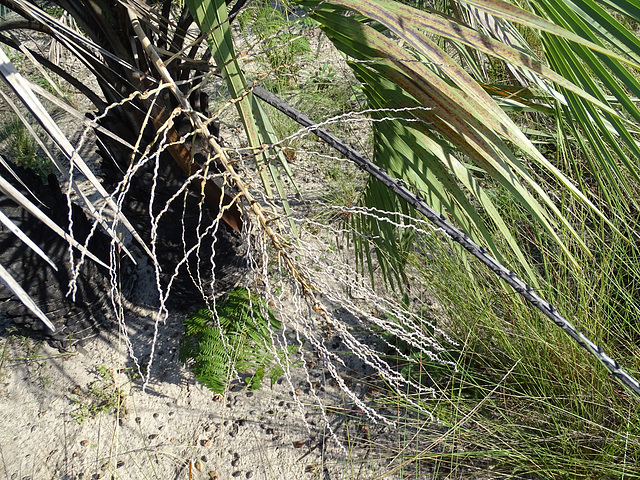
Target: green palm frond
(455, 132)
(212, 19)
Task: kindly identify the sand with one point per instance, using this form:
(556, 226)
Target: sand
(53, 427)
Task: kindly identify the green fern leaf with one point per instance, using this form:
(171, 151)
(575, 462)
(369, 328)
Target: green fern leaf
(232, 336)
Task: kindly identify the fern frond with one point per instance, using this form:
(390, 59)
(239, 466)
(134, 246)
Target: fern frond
(233, 336)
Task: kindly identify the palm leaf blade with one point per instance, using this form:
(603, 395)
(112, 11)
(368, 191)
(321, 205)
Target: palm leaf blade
(13, 228)
(24, 297)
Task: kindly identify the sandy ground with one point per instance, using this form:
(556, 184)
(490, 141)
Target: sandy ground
(50, 427)
(84, 414)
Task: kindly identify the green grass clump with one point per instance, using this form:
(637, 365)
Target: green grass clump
(526, 401)
(19, 146)
(234, 336)
(103, 396)
(280, 45)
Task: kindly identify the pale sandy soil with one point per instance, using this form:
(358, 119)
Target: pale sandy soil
(175, 429)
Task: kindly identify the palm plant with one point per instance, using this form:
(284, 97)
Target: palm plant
(441, 124)
(451, 131)
(455, 92)
(126, 121)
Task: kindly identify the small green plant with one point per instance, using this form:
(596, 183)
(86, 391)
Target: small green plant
(281, 46)
(19, 146)
(323, 78)
(103, 396)
(53, 10)
(240, 342)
